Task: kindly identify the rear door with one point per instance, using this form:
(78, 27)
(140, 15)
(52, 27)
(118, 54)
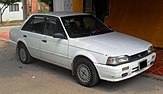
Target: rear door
(54, 49)
(31, 33)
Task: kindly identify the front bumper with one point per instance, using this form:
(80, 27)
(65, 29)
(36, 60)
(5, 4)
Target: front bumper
(117, 73)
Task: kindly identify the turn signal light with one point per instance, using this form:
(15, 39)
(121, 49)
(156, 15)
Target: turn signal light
(125, 68)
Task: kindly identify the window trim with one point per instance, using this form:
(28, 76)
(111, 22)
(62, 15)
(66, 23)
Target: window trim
(30, 20)
(53, 17)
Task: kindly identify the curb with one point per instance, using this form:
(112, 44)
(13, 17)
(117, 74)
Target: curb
(157, 77)
(5, 40)
(10, 25)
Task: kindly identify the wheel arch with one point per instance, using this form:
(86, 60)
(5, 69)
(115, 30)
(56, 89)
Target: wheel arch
(19, 42)
(28, 58)
(90, 65)
(90, 57)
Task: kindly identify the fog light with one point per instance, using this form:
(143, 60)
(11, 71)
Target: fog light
(125, 68)
(124, 74)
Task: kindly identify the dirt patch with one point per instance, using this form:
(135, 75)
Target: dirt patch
(3, 44)
(11, 23)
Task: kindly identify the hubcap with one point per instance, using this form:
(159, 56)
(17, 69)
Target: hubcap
(22, 54)
(84, 73)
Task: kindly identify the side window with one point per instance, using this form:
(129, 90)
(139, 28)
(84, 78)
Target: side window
(34, 24)
(53, 26)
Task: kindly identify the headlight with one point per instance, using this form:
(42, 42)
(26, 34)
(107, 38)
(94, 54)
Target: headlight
(117, 60)
(150, 49)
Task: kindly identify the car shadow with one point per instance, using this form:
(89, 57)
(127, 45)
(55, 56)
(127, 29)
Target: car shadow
(135, 84)
(60, 72)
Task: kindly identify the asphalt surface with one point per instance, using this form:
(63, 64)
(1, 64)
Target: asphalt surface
(5, 28)
(44, 78)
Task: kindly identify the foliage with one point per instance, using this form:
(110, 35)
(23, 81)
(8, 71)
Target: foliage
(49, 3)
(45, 1)
(8, 2)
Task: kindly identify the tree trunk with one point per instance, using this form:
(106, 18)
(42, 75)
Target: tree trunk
(24, 9)
(2, 10)
(51, 6)
(0, 17)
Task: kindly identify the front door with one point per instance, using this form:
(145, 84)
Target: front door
(53, 49)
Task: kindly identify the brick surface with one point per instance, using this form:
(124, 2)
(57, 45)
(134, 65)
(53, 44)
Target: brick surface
(34, 6)
(4, 35)
(157, 68)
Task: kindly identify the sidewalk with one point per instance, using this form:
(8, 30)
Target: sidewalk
(4, 36)
(156, 71)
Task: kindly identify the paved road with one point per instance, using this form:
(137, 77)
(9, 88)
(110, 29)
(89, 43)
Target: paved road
(43, 78)
(5, 29)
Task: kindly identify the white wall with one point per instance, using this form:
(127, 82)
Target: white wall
(62, 5)
(15, 15)
(67, 5)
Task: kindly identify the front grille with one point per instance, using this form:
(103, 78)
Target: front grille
(138, 56)
(135, 69)
(135, 57)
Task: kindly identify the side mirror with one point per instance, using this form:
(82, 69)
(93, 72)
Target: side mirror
(59, 35)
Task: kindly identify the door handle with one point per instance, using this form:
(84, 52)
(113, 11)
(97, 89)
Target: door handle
(25, 36)
(44, 41)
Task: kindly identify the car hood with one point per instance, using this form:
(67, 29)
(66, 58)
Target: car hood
(112, 44)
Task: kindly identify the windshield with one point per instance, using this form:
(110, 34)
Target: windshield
(83, 26)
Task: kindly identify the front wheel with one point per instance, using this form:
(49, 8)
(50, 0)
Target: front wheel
(86, 73)
(24, 55)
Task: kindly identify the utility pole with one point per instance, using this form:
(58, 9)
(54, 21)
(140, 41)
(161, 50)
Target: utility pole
(24, 9)
(0, 17)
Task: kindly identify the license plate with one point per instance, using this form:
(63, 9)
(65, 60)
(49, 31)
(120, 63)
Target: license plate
(142, 64)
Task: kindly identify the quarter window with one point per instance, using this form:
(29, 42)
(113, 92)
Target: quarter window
(34, 24)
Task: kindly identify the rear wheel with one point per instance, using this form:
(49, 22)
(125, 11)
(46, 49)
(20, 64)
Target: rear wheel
(86, 73)
(24, 55)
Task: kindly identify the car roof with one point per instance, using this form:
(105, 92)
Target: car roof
(62, 14)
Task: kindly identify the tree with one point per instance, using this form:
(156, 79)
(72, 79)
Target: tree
(5, 4)
(50, 3)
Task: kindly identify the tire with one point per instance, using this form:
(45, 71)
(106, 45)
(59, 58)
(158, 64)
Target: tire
(24, 55)
(86, 73)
